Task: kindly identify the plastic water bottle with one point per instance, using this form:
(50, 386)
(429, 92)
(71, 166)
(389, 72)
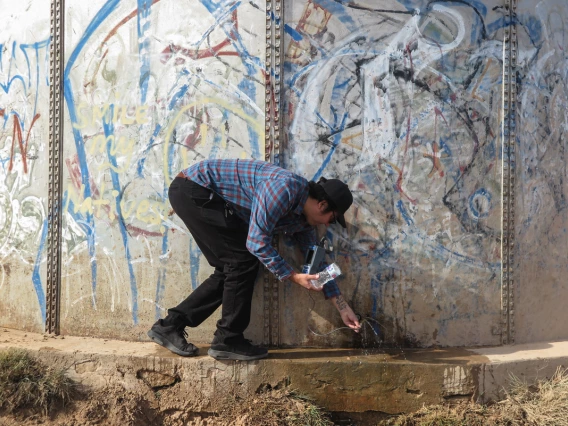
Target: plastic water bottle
(328, 274)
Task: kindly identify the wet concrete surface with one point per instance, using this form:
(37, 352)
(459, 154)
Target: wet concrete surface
(388, 380)
(381, 355)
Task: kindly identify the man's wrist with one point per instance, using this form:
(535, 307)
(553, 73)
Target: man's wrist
(287, 275)
(340, 303)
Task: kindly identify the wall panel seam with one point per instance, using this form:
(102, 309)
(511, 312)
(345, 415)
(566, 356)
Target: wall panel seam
(56, 65)
(509, 170)
(274, 9)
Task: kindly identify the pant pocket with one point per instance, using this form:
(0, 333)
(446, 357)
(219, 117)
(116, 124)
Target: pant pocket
(212, 208)
(201, 196)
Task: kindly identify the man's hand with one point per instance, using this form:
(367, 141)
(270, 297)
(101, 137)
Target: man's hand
(347, 315)
(304, 280)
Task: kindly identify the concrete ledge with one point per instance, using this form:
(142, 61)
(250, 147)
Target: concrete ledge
(528, 362)
(337, 379)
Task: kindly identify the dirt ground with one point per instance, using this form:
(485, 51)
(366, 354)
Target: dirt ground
(32, 393)
(117, 406)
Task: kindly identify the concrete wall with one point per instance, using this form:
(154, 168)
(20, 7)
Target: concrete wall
(402, 99)
(406, 106)
(150, 88)
(541, 265)
(24, 159)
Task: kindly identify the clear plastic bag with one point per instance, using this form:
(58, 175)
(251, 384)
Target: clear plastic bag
(328, 274)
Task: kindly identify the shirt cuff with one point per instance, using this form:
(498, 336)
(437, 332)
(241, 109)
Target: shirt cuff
(284, 273)
(330, 289)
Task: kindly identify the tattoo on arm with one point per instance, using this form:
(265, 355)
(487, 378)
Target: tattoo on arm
(341, 303)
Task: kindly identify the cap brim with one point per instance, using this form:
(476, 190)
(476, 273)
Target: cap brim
(341, 219)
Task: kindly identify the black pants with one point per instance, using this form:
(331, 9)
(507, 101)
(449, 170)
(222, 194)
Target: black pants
(221, 236)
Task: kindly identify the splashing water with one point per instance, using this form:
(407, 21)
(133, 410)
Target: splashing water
(370, 339)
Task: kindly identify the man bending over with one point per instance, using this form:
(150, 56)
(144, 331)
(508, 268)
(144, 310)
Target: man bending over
(232, 209)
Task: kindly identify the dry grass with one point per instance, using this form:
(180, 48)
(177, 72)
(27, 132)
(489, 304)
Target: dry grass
(25, 383)
(545, 404)
(468, 414)
(542, 404)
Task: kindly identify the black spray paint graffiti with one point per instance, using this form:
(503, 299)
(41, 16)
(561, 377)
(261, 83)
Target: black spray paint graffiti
(405, 104)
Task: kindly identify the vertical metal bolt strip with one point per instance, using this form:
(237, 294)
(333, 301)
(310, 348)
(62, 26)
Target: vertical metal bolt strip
(272, 143)
(56, 57)
(268, 149)
(277, 33)
(509, 172)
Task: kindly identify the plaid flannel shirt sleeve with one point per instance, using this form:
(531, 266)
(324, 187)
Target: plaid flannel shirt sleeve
(306, 240)
(272, 200)
(331, 289)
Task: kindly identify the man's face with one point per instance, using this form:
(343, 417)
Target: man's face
(319, 216)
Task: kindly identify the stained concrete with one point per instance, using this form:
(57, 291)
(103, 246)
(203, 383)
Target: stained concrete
(347, 380)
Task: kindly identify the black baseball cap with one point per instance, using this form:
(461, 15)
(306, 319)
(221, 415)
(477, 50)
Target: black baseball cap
(340, 195)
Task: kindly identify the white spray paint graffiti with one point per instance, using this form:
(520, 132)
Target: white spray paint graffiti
(405, 103)
(24, 89)
(150, 90)
(542, 220)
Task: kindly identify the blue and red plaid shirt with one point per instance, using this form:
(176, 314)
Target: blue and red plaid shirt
(270, 199)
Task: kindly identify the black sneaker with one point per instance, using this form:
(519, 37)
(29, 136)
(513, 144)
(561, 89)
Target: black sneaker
(241, 350)
(172, 337)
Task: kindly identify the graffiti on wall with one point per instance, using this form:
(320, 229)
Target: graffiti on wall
(542, 214)
(403, 100)
(543, 98)
(151, 88)
(24, 86)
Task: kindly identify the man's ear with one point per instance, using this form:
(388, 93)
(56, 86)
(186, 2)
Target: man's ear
(322, 205)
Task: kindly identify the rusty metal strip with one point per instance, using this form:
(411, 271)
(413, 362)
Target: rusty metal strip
(272, 153)
(277, 67)
(56, 65)
(268, 155)
(509, 171)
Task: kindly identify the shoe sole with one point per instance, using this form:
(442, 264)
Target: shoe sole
(222, 355)
(168, 345)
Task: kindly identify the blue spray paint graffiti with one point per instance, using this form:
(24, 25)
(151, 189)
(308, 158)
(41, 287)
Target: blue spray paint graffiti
(182, 90)
(105, 11)
(108, 131)
(24, 77)
(375, 97)
(144, 9)
(36, 277)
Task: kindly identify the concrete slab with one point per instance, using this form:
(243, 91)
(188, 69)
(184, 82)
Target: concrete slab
(526, 362)
(347, 380)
